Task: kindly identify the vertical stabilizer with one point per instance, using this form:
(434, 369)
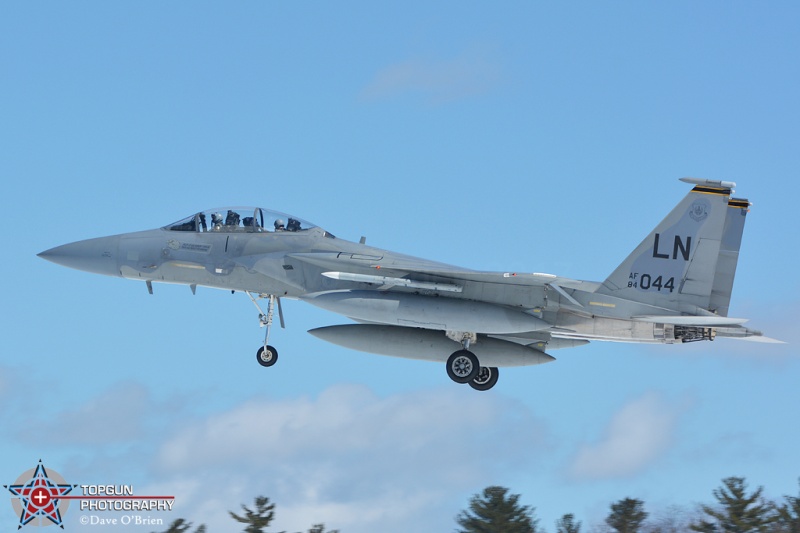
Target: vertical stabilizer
(689, 259)
(728, 255)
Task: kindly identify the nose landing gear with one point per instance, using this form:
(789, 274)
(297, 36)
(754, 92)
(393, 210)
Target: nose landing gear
(267, 355)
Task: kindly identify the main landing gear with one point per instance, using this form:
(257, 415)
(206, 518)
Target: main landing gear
(463, 367)
(267, 355)
(486, 378)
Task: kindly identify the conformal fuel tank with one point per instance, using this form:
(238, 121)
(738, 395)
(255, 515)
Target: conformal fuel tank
(429, 312)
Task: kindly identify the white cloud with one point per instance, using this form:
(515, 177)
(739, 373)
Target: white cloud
(348, 458)
(473, 72)
(637, 435)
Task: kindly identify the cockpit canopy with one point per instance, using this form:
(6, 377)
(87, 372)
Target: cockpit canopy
(240, 220)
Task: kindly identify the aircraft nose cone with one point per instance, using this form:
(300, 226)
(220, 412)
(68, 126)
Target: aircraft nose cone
(92, 255)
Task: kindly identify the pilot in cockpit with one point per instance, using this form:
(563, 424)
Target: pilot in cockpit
(232, 219)
(216, 221)
(279, 225)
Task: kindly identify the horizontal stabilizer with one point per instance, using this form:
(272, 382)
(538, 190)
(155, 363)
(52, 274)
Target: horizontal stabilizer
(759, 338)
(704, 321)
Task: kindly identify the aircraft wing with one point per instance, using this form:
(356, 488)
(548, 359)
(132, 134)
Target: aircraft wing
(422, 271)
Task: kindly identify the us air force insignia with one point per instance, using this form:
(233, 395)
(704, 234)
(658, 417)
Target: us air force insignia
(699, 210)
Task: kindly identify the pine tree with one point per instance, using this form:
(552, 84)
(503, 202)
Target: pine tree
(737, 512)
(320, 528)
(789, 515)
(567, 524)
(494, 512)
(627, 515)
(258, 519)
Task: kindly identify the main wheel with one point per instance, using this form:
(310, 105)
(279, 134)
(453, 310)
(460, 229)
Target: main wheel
(462, 366)
(267, 357)
(486, 378)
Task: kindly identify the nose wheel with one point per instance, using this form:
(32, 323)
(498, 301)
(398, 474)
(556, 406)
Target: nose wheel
(267, 355)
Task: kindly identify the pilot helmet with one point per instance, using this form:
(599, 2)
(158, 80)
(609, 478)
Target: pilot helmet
(279, 223)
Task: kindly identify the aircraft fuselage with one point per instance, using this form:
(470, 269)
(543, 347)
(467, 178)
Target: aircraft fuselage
(675, 287)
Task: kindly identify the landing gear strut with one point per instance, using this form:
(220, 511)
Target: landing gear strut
(266, 354)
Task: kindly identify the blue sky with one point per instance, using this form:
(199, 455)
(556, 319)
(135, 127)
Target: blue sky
(514, 137)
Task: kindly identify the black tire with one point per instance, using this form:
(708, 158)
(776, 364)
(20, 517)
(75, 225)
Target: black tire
(462, 366)
(486, 378)
(267, 357)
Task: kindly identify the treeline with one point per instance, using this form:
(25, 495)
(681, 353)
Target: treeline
(495, 510)
(735, 511)
(255, 520)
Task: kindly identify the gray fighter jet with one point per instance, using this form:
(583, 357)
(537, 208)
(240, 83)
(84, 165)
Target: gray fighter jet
(675, 287)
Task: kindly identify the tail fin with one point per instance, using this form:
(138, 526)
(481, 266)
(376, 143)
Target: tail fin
(728, 255)
(689, 259)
